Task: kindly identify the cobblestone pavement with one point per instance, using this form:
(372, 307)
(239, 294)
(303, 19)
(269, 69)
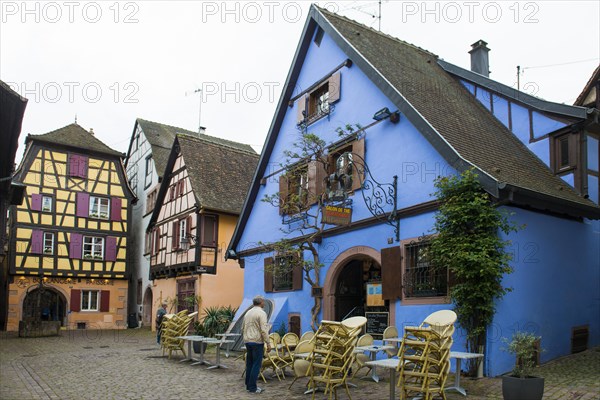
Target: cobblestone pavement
(128, 365)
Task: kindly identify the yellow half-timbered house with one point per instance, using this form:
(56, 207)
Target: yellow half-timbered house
(68, 247)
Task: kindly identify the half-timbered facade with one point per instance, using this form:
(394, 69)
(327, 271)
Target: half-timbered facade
(147, 156)
(69, 238)
(203, 189)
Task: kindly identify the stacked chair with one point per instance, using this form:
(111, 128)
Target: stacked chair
(272, 360)
(300, 366)
(173, 327)
(425, 356)
(333, 354)
(289, 342)
(362, 358)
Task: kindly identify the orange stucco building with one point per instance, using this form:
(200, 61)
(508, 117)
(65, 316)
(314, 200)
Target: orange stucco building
(196, 210)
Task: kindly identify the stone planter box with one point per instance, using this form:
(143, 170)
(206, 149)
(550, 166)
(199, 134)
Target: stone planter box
(39, 328)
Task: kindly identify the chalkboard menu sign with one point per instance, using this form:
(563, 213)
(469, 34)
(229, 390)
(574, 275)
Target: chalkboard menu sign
(377, 322)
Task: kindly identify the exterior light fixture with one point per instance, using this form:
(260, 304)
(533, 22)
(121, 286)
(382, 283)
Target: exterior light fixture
(184, 244)
(385, 113)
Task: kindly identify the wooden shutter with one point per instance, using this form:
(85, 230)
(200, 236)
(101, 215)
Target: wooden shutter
(76, 245)
(283, 192)
(298, 272)
(36, 202)
(73, 165)
(110, 252)
(83, 204)
(37, 242)
(104, 300)
(175, 237)
(335, 87)
(188, 226)
(391, 273)
(75, 300)
(115, 208)
(358, 149)
(316, 181)
(83, 166)
(268, 274)
(156, 248)
(301, 105)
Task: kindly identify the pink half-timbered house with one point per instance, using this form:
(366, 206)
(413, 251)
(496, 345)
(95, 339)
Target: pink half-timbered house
(198, 203)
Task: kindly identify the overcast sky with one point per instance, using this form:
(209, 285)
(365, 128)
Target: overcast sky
(112, 62)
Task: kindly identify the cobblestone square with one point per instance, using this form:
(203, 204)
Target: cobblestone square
(128, 364)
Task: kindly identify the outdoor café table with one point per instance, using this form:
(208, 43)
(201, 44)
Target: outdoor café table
(189, 339)
(391, 364)
(373, 350)
(218, 342)
(201, 360)
(459, 355)
(225, 336)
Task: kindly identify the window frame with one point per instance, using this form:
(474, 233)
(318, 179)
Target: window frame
(89, 295)
(294, 177)
(572, 140)
(405, 257)
(50, 198)
(288, 276)
(148, 172)
(92, 251)
(52, 237)
(99, 199)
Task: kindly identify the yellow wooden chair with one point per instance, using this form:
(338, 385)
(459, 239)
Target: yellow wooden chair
(388, 333)
(271, 360)
(308, 335)
(362, 358)
(301, 366)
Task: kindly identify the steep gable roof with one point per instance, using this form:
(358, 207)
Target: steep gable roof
(591, 87)
(455, 116)
(161, 137)
(447, 115)
(220, 173)
(74, 136)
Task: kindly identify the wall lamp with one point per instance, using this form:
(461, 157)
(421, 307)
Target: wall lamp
(184, 244)
(386, 113)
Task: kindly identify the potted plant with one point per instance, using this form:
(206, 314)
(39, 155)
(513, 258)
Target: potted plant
(521, 384)
(199, 347)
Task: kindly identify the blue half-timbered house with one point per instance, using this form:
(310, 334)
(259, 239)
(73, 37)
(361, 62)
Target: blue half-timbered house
(448, 119)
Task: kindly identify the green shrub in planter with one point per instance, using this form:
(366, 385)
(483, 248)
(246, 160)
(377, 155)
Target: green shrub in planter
(521, 384)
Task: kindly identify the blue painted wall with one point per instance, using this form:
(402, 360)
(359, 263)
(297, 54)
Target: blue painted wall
(555, 285)
(399, 149)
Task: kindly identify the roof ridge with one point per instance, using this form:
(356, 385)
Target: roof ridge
(204, 140)
(387, 35)
(48, 137)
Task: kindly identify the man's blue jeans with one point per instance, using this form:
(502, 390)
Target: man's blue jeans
(254, 356)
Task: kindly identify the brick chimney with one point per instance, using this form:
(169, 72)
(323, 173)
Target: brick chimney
(480, 60)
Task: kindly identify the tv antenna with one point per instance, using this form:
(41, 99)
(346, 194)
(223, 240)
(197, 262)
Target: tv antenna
(360, 8)
(200, 127)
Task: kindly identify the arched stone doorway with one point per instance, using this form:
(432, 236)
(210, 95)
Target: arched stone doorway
(44, 304)
(346, 284)
(147, 308)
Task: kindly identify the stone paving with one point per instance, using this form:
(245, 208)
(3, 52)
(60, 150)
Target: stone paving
(128, 365)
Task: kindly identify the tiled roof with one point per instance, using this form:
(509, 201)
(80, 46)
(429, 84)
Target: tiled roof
(471, 130)
(588, 87)
(76, 137)
(161, 137)
(220, 171)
